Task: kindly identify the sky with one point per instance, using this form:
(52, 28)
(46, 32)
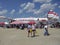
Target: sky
(28, 8)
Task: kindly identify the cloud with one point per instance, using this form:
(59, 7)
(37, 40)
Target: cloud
(58, 6)
(30, 7)
(2, 12)
(41, 1)
(21, 11)
(45, 7)
(13, 11)
(27, 8)
(0, 7)
(22, 5)
(22, 8)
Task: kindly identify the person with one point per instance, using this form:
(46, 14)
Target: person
(33, 30)
(17, 26)
(29, 30)
(46, 30)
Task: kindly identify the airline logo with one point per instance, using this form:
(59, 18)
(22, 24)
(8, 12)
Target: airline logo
(52, 14)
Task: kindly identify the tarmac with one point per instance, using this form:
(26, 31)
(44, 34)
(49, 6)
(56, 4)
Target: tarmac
(13, 36)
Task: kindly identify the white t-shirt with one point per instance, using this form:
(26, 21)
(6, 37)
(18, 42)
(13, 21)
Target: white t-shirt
(29, 26)
(33, 27)
(46, 26)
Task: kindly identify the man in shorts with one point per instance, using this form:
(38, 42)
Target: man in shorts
(33, 30)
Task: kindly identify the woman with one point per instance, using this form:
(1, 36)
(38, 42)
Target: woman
(29, 30)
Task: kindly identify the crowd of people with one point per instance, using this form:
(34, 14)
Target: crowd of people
(32, 30)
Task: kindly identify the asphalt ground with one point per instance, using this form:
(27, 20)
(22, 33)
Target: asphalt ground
(13, 36)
